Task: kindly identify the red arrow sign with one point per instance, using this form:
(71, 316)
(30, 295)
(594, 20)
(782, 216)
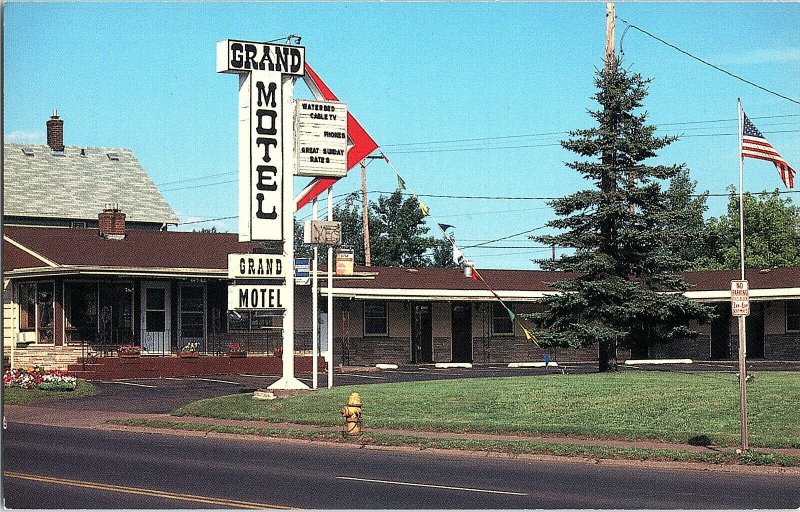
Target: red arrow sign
(362, 146)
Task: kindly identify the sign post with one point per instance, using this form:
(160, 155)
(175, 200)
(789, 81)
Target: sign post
(740, 307)
(267, 73)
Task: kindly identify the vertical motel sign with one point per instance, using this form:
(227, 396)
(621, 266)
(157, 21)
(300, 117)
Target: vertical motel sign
(264, 183)
(740, 298)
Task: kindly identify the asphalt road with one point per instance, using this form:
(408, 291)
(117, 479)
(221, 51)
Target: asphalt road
(48, 468)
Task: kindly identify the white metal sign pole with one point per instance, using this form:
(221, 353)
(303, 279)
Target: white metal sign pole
(330, 295)
(267, 73)
(288, 381)
(314, 306)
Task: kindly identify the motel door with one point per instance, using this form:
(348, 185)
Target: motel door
(462, 332)
(422, 335)
(156, 318)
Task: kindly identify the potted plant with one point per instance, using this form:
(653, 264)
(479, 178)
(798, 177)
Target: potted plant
(236, 350)
(129, 351)
(189, 350)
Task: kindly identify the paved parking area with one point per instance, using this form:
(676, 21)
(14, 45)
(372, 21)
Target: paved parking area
(162, 395)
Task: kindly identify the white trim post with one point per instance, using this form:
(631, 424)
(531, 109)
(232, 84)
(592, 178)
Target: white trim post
(330, 295)
(314, 306)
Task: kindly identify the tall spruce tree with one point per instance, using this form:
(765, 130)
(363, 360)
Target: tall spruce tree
(622, 260)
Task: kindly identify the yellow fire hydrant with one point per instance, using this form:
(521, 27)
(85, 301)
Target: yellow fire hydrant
(352, 415)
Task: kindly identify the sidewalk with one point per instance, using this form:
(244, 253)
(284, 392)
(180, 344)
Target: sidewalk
(99, 420)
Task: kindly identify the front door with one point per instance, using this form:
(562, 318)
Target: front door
(422, 335)
(156, 318)
(462, 332)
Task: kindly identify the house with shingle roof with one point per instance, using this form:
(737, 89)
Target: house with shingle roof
(68, 186)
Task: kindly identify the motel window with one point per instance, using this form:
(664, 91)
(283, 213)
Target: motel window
(376, 322)
(501, 322)
(793, 315)
(192, 311)
(36, 309)
(99, 313)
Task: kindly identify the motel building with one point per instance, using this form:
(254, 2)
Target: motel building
(89, 265)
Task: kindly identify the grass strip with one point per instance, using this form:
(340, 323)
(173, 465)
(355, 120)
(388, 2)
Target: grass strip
(752, 458)
(679, 407)
(19, 396)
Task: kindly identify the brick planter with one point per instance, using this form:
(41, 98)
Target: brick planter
(107, 368)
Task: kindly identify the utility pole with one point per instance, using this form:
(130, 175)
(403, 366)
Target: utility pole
(610, 63)
(365, 214)
(610, 35)
(607, 349)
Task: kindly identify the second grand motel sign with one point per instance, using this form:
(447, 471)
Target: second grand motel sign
(273, 135)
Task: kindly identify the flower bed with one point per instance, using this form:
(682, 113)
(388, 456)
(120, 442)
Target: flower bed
(129, 351)
(236, 350)
(38, 378)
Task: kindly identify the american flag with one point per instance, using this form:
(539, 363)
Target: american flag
(754, 145)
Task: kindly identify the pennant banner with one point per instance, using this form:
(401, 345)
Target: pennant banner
(422, 207)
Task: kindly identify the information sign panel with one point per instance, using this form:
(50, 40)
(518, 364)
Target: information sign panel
(263, 297)
(256, 266)
(344, 262)
(262, 67)
(321, 138)
(327, 232)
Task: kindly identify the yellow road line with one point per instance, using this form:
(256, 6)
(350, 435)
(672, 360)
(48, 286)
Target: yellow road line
(209, 500)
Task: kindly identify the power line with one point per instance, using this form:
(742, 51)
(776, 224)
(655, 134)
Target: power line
(535, 198)
(208, 220)
(433, 150)
(197, 178)
(190, 187)
(705, 62)
(499, 137)
(521, 136)
(504, 238)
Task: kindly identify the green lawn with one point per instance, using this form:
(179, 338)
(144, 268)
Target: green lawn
(19, 396)
(676, 407)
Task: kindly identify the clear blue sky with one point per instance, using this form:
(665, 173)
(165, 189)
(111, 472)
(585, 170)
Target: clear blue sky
(505, 75)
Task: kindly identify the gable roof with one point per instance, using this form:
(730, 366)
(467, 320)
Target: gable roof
(79, 187)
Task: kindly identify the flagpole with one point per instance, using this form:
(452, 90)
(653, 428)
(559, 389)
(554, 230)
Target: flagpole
(742, 330)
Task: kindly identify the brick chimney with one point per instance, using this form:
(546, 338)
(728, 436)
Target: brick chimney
(55, 133)
(112, 223)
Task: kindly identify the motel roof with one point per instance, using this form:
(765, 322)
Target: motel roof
(526, 285)
(36, 251)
